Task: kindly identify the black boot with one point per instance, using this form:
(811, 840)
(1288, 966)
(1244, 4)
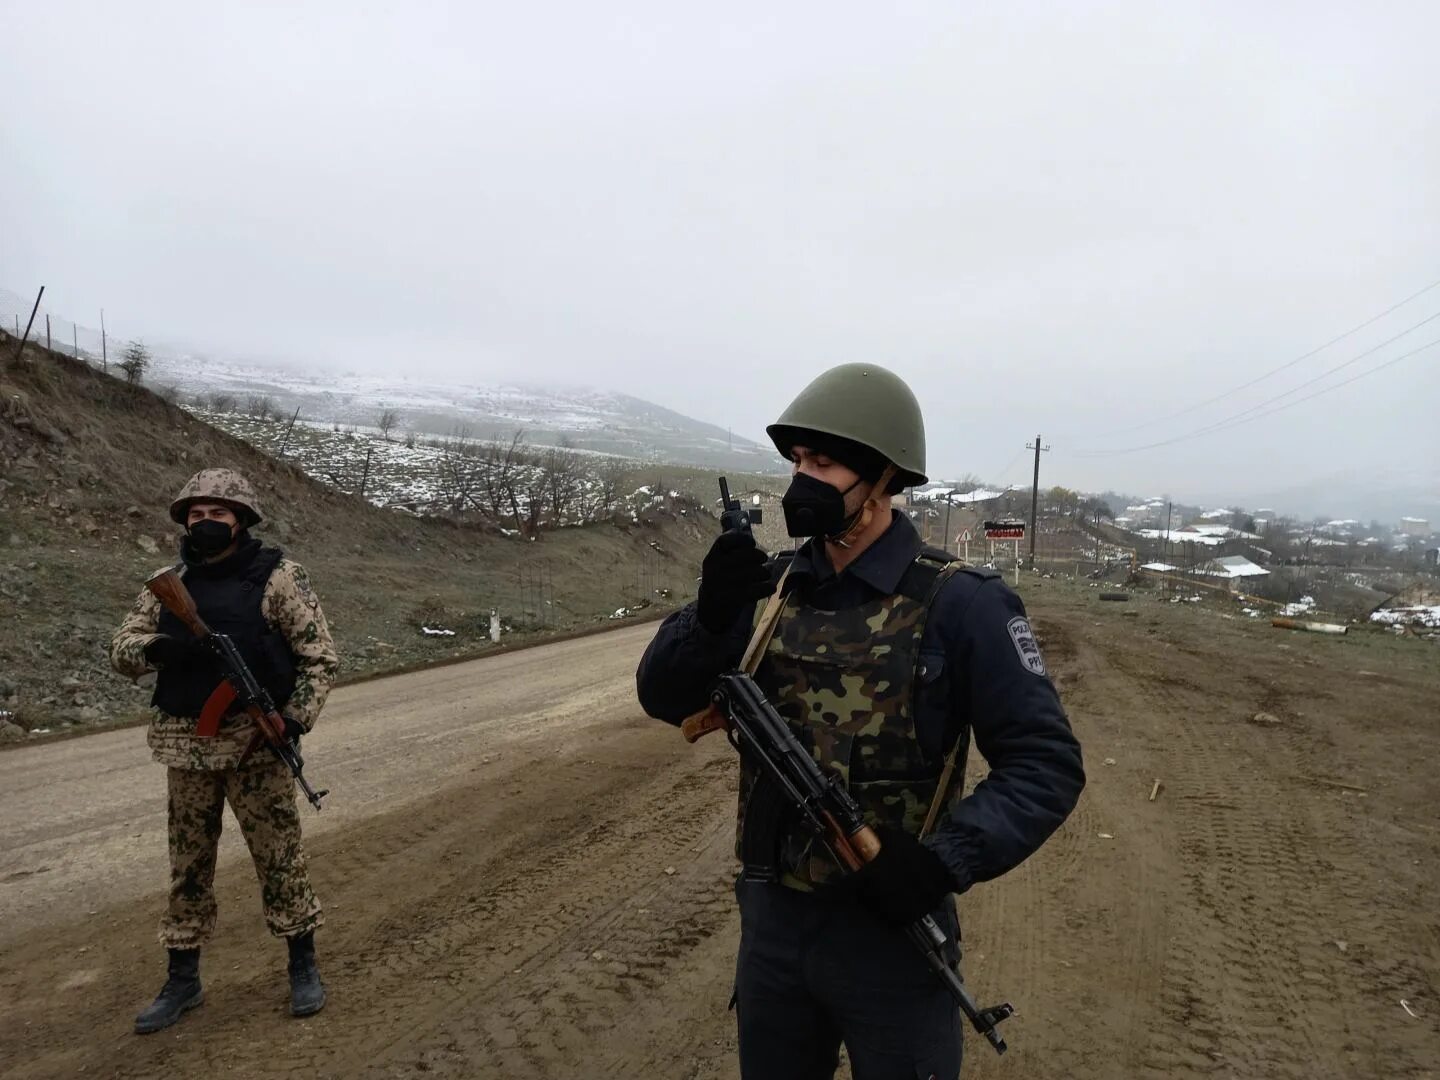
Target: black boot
(181, 991)
(307, 992)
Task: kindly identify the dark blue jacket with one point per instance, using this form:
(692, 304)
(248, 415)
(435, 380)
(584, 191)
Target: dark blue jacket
(978, 641)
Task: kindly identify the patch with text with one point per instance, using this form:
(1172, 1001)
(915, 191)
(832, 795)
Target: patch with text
(1026, 645)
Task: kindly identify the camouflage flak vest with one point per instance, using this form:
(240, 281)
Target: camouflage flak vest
(845, 682)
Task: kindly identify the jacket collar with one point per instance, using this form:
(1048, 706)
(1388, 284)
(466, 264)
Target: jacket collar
(881, 565)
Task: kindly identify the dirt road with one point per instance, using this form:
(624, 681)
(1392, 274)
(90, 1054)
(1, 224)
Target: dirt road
(526, 878)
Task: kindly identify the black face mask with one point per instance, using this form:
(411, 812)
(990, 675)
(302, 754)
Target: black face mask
(210, 538)
(814, 508)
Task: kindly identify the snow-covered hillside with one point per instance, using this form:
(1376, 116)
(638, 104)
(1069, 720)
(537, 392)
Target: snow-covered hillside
(586, 418)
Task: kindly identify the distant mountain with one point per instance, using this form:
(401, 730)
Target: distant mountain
(583, 417)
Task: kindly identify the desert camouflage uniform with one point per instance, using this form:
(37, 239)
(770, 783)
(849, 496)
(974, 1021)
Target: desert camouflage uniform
(291, 608)
(261, 794)
(205, 773)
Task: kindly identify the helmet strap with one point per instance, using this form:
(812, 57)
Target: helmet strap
(866, 513)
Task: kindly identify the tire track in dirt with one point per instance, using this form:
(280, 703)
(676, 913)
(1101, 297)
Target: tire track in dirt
(517, 921)
(1040, 950)
(432, 911)
(1265, 874)
(564, 894)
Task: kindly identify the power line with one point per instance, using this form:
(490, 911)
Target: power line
(1283, 367)
(1342, 382)
(1008, 466)
(1242, 418)
(1338, 367)
(1218, 424)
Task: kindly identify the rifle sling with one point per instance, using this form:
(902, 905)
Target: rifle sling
(765, 628)
(944, 785)
(711, 718)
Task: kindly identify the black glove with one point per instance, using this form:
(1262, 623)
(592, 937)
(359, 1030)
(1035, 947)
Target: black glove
(169, 651)
(293, 729)
(732, 576)
(905, 882)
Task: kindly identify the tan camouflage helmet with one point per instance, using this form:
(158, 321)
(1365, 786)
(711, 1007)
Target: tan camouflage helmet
(222, 486)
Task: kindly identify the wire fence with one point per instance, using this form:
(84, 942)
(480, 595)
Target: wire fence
(54, 331)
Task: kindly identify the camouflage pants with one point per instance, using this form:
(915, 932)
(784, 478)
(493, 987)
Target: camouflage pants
(261, 794)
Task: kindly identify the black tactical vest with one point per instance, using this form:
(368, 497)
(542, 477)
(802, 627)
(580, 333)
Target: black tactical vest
(229, 603)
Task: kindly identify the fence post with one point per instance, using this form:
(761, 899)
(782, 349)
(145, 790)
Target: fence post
(19, 349)
(366, 474)
(286, 442)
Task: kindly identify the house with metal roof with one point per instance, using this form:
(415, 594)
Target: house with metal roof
(1232, 567)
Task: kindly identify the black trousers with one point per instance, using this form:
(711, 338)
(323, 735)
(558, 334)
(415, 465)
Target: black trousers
(814, 972)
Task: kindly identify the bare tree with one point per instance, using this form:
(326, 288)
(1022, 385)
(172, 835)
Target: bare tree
(503, 467)
(561, 479)
(459, 478)
(221, 402)
(531, 482)
(967, 483)
(135, 362)
(386, 421)
(609, 480)
(259, 406)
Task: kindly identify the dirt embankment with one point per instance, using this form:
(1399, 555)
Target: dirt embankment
(525, 878)
(88, 467)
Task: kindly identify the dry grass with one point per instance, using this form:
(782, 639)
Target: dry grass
(87, 470)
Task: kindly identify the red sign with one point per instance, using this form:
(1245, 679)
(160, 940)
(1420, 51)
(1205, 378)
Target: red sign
(1004, 530)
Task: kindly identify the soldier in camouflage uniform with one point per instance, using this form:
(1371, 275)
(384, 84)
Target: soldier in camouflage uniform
(887, 659)
(264, 601)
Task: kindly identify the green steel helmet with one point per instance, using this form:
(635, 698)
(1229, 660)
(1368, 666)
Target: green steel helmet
(866, 404)
(220, 486)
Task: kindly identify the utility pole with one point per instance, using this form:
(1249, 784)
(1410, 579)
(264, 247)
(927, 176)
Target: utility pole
(104, 348)
(1035, 495)
(48, 346)
(1169, 516)
(75, 339)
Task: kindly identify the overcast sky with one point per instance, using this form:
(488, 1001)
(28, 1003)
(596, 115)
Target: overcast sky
(1045, 220)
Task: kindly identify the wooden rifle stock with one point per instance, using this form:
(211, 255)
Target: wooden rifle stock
(697, 725)
(854, 850)
(170, 590)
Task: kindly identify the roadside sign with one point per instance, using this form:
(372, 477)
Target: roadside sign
(1004, 530)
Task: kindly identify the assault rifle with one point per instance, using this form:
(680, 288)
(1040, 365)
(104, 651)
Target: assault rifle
(239, 683)
(827, 809)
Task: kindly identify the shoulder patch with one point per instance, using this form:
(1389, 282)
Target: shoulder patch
(1028, 649)
(302, 581)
